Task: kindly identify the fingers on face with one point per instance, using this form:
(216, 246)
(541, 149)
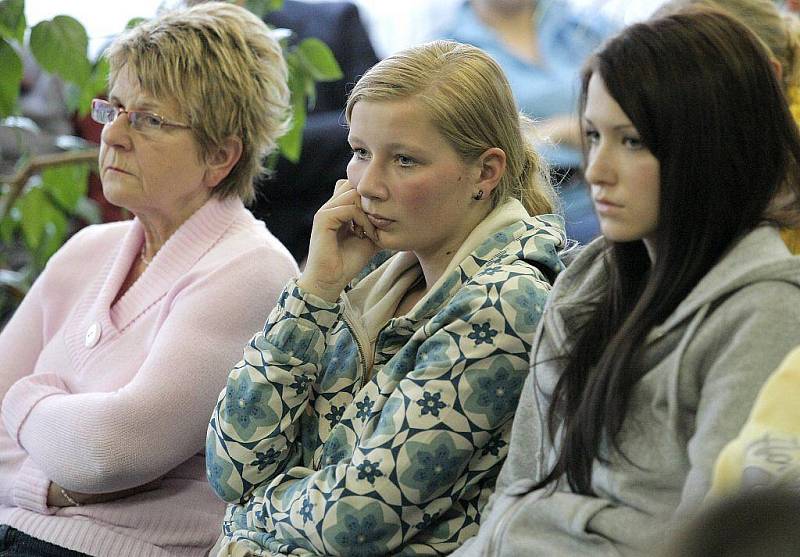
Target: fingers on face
(344, 208)
(344, 197)
(360, 226)
(339, 213)
(342, 186)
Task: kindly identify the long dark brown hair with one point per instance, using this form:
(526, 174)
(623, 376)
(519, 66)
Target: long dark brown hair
(702, 94)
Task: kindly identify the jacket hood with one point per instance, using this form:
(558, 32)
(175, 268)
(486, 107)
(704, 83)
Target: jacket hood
(757, 256)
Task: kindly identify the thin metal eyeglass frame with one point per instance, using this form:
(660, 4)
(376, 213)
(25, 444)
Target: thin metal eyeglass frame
(119, 110)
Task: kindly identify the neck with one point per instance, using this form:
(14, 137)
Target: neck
(504, 14)
(432, 269)
(435, 262)
(513, 24)
(159, 226)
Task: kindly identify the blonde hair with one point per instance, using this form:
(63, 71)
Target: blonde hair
(225, 70)
(469, 101)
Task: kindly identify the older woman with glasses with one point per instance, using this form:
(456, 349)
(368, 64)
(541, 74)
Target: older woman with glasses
(111, 365)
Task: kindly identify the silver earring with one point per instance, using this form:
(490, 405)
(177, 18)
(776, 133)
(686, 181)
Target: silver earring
(478, 196)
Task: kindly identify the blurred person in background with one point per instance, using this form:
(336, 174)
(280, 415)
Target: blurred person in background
(762, 523)
(780, 33)
(541, 46)
(44, 117)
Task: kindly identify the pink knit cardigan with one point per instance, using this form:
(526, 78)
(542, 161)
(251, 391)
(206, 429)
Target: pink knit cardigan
(99, 397)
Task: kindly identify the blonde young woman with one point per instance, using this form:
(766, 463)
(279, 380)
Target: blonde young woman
(371, 416)
(109, 367)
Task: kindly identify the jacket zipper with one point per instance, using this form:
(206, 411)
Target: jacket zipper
(361, 353)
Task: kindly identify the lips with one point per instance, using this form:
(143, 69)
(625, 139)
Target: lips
(379, 222)
(117, 169)
(604, 205)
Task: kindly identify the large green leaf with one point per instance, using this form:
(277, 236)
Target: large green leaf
(55, 234)
(97, 85)
(300, 74)
(67, 184)
(291, 143)
(134, 21)
(35, 210)
(59, 46)
(319, 60)
(10, 78)
(263, 7)
(12, 20)
(7, 227)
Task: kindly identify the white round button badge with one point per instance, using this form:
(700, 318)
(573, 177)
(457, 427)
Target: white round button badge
(93, 335)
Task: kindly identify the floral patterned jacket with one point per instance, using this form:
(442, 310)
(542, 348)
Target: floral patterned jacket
(333, 439)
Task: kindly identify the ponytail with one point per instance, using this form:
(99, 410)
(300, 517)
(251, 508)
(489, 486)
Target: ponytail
(530, 177)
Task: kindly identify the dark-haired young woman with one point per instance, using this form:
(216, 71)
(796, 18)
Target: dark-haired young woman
(656, 339)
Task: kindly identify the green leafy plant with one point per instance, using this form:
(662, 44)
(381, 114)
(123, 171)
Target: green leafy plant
(39, 203)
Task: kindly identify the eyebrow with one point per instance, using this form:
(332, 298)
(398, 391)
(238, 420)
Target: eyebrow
(146, 105)
(389, 147)
(616, 128)
(401, 147)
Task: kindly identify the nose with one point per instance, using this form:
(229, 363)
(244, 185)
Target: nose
(117, 133)
(368, 179)
(600, 165)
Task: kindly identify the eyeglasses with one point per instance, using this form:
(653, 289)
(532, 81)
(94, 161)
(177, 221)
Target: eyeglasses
(103, 112)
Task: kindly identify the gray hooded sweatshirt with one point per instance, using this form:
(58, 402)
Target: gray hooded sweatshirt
(706, 364)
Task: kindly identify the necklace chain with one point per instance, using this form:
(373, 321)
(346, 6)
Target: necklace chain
(143, 258)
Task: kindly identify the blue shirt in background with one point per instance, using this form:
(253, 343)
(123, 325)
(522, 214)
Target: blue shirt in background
(551, 86)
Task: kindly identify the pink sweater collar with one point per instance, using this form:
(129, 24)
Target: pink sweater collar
(180, 252)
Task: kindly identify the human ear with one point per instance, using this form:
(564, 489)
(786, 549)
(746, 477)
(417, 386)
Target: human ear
(220, 162)
(492, 164)
(777, 68)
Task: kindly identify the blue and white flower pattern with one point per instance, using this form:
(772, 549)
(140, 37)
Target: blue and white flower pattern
(400, 460)
(431, 403)
(369, 471)
(482, 333)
